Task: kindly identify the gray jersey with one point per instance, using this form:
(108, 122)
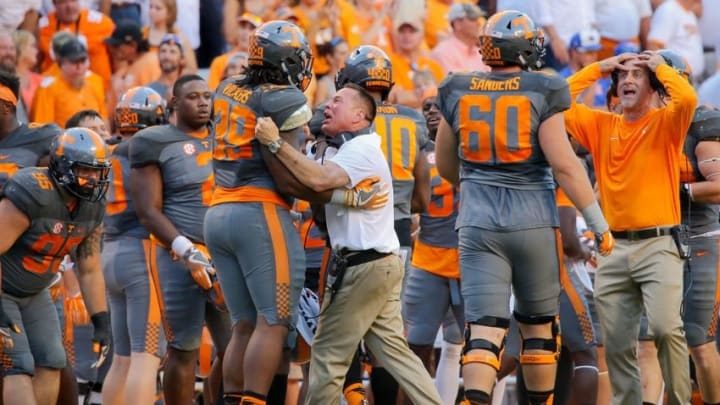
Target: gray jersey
(32, 261)
(437, 225)
(404, 134)
(24, 147)
(700, 217)
(120, 218)
(185, 166)
(506, 182)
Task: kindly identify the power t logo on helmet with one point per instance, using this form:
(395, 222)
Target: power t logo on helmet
(511, 38)
(369, 67)
(139, 108)
(282, 45)
(79, 163)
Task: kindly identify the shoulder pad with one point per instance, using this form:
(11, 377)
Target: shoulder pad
(553, 81)
(94, 17)
(122, 149)
(705, 125)
(29, 188)
(281, 103)
(47, 81)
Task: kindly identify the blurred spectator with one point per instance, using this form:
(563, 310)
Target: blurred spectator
(460, 51)
(246, 25)
(622, 20)
(126, 10)
(675, 26)
(8, 53)
(568, 17)
(539, 12)
(91, 28)
(335, 53)
(710, 34)
(407, 58)
(163, 15)
(20, 14)
(171, 59)
(27, 58)
(89, 119)
(56, 42)
(75, 89)
(437, 25)
(235, 65)
(366, 22)
(188, 22)
(320, 20)
(709, 91)
(139, 65)
(232, 9)
(583, 50)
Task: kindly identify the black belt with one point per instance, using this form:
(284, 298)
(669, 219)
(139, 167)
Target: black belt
(358, 257)
(643, 233)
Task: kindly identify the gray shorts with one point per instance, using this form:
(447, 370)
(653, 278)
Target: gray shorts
(263, 265)
(492, 262)
(426, 301)
(592, 308)
(575, 321)
(183, 305)
(40, 342)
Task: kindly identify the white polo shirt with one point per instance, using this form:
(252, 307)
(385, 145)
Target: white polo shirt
(359, 229)
(676, 28)
(620, 19)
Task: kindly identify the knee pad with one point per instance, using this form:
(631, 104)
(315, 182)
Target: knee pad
(540, 397)
(552, 345)
(477, 397)
(492, 360)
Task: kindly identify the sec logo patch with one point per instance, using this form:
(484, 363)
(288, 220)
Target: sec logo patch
(57, 228)
(189, 148)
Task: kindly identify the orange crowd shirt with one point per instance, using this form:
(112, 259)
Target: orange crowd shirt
(403, 70)
(56, 100)
(636, 163)
(92, 28)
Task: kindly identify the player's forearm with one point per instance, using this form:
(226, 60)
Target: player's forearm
(287, 183)
(158, 225)
(706, 192)
(421, 191)
(92, 283)
(310, 173)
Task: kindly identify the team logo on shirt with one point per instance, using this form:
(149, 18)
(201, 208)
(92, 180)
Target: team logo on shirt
(431, 158)
(189, 148)
(57, 228)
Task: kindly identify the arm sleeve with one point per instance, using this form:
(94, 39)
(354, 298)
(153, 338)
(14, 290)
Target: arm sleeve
(356, 159)
(578, 118)
(683, 100)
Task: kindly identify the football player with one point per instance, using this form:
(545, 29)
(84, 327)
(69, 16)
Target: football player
(265, 268)
(171, 181)
(132, 293)
(46, 213)
(502, 138)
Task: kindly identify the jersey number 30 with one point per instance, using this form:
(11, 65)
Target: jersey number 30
(487, 134)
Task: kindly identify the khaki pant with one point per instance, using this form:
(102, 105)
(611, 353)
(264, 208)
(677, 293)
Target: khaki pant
(367, 306)
(645, 273)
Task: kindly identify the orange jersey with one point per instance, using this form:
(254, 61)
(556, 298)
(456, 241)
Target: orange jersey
(217, 68)
(92, 28)
(56, 100)
(436, 23)
(403, 70)
(636, 163)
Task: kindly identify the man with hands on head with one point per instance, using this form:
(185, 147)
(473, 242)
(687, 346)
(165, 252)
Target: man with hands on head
(366, 304)
(637, 157)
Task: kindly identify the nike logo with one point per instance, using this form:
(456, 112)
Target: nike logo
(701, 253)
(3, 157)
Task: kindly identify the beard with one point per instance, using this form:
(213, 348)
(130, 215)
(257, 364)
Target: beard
(169, 67)
(8, 64)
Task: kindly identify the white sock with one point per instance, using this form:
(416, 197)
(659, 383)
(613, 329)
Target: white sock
(447, 375)
(499, 392)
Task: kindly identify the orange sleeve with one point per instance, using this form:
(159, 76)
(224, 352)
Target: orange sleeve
(217, 67)
(43, 109)
(581, 120)
(683, 100)
(562, 199)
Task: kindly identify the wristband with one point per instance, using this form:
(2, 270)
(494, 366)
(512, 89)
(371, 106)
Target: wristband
(339, 196)
(595, 219)
(180, 245)
(101, 320)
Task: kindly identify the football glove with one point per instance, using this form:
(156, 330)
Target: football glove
(199, 267)
(100, 337)
(215, 295)
(6, 325)
(368, 194)
(605, 242)
(75, 309)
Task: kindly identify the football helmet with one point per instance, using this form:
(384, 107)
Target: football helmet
(511, 38)
(367, 66)
(282, 46)
(676, 62)
(138, 108)
(706, 124)
(76, 149)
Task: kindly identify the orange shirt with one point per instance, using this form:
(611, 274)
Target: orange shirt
(403, 70)
(636, 163)
(217, 68)
(56, 100)
(92, 28)
(443, 262)
(436, 21)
